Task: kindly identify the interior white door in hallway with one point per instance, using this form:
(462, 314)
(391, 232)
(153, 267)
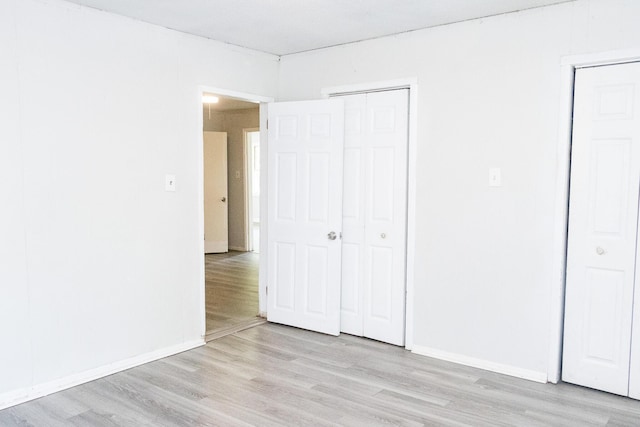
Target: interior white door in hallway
(216, 216)
(305, 149)
(375, 215)
(602, 324)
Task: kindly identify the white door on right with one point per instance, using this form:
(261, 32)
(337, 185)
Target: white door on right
(603, 226)
(374, 217)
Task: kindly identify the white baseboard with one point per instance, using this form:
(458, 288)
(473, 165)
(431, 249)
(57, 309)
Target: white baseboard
(16, 397)
(513, 371)
(215, 247)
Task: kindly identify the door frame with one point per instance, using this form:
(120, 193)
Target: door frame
(245, 96)
(248, 188)
(411, 84)
(568, 67)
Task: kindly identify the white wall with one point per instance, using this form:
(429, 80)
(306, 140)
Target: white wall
(98, 263)
(489, 93)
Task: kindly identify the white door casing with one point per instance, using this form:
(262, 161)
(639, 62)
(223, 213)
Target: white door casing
(375, 215)
(602, 239)
(305, 149)
(216, 217)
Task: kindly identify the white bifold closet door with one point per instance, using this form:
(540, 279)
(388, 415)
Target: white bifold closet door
(602, 323)
(375, 215)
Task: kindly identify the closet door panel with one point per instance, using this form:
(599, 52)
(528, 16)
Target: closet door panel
(603, 218)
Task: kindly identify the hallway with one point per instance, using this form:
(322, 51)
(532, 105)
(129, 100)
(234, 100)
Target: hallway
(231, 290)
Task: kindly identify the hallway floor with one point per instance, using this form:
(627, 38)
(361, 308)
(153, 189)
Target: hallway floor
(231, 289)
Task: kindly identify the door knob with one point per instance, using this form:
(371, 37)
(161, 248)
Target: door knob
(600, 251)
(224, 199)
(383, 235)
(332, 235)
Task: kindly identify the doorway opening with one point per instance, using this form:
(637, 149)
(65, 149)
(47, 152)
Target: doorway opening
(231, 266)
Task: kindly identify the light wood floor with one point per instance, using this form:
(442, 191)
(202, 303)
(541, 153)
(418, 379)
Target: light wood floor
(273, 375)
(231, 290)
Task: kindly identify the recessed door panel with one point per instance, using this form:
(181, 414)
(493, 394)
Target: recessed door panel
(317, 280)
(351, 207)
(382, 187)
(351, 297)
(285, 261)
(285, 194)
(381, 274)
(602, 332)
(318, 192)
(610, 180)
(287, 127)
(603, 221)
(614, 102)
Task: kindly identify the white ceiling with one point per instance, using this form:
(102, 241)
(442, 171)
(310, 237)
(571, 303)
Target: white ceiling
(284, 27)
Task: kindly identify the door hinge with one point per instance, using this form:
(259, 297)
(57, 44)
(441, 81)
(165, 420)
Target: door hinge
(267, 289)
(267, 124)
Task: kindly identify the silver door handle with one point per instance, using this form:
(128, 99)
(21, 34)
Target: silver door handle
(332, 235)
(224, 199)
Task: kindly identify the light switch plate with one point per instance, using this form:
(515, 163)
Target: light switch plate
(170, 183)
(495, 177)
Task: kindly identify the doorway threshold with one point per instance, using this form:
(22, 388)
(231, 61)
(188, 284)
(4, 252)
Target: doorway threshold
(219, 333)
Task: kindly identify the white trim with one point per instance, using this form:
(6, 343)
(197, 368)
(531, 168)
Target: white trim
(243, 96)
(601, 58)
(407, 83)
(563, 158)
(264, 206)
(412, 85)
(30, 393)
(248, 188)
(568, 66)
(513, 371)
(262, 300)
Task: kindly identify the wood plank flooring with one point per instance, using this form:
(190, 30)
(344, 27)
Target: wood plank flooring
(231, 290)
(273, 375)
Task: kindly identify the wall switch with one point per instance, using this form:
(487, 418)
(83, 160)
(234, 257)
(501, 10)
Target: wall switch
(495, 177)
(169, 183)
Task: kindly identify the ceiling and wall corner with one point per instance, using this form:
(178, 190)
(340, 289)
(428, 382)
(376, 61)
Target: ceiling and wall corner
(294, 26)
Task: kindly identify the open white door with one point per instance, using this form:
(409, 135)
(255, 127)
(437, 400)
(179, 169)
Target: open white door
(216, 216)
(602, 241)
(305, 150)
